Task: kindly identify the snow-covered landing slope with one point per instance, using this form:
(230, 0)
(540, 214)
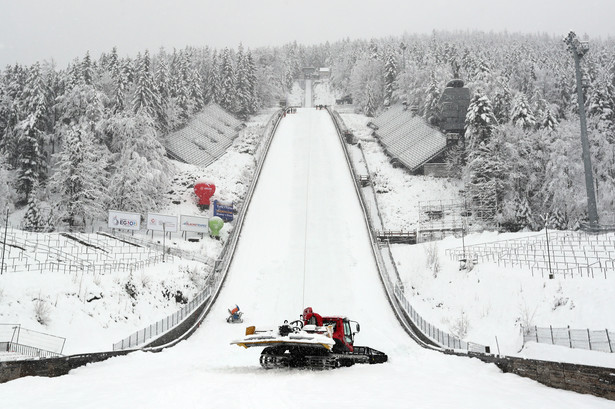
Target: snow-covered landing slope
(304, 243)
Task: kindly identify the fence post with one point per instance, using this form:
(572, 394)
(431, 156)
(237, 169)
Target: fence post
(536, 329)
(569, 337)
(551, 328)
(608, 340)
(589, 339)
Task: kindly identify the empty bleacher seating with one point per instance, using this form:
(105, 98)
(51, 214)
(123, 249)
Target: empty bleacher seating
(408, 138)
(205, 138)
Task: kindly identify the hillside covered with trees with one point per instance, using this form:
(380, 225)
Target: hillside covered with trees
(80, 138)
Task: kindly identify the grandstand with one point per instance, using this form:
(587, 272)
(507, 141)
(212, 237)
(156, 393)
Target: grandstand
(205, 138)
(407, 138)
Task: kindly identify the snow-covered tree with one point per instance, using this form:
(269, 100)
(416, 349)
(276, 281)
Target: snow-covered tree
(549, 121)
(194, 90)
(524, 213)
(390, 75)
(33, 219)
(252, 84)
(481, 173)
(82, 106)
(228, 81)
(557, 220)
(432, 99)
(87, 71)
(141, 173)
(5, 190)
(181, 87)
(80, 179)
(564, 183)
(145, 98)
(242, 85)
(367, 84)
(601, 102)
(215, 83)
(521, 114)
(480, 122)
(32, 163)
(370, 103)
(121, 77)
(502, 103)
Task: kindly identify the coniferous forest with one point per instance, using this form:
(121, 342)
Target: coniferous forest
(78, 140)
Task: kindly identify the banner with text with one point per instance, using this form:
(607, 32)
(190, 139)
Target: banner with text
(124, 220)
(194, 224)
(162, 222)
(223, 211)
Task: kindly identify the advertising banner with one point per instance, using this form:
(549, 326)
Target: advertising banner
(195, 224)
(223, 211)
(161, 222)
(124, 220)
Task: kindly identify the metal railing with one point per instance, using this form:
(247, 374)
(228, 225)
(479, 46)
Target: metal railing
(26, 350)
(29, 342)
(162, 326)
(594, 340)
(42, 253)
(568, 254)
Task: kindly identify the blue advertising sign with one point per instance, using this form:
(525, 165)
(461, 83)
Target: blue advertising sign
(225, 212)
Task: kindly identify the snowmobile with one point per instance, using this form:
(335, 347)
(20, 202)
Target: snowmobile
(313, 342)
(234, 316)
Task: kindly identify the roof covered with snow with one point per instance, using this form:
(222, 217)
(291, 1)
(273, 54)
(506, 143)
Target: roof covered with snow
(407, 137)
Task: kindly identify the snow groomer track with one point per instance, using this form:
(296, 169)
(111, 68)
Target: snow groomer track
(304, 243)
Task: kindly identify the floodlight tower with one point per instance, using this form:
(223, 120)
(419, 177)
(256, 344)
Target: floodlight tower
(578, 49)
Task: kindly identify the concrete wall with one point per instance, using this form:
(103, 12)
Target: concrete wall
(593, 380)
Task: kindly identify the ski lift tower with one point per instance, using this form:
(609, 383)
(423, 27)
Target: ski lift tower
(578, 49)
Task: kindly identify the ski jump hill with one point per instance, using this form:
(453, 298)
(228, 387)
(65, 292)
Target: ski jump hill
(304, 239)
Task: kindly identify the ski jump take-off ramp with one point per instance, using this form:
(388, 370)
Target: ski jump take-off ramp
(304, 243)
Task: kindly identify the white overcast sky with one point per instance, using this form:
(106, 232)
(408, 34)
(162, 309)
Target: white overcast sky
(36, 30)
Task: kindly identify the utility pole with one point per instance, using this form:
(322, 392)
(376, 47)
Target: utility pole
(578, 50)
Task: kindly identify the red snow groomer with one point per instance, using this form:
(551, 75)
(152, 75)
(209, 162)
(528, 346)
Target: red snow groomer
(313, 341)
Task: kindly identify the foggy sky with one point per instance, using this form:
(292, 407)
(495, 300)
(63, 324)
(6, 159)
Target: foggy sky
(62, 30)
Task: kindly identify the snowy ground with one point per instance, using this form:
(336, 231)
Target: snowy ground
(303, 230)
(489, 301)
(92, 311)
(304, 243)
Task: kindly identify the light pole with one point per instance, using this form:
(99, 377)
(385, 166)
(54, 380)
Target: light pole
(164, 236)
(6, 227)
(578, 50)
(547, 216)
(463, 263)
